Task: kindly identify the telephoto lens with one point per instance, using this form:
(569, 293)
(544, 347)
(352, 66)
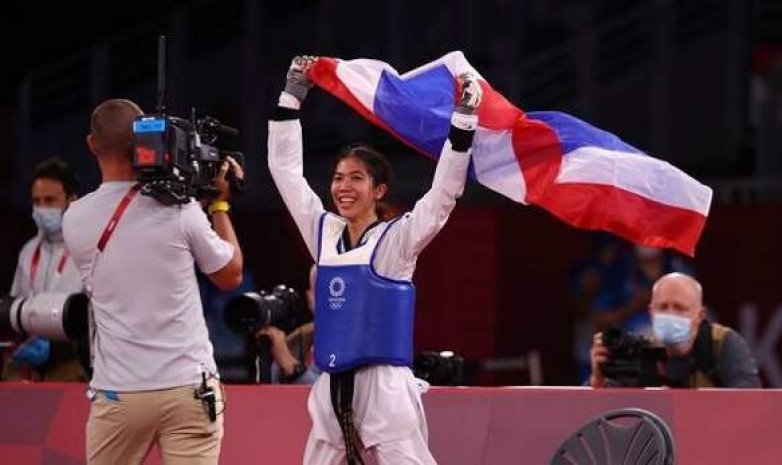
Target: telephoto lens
(53, 315)
(252, 311)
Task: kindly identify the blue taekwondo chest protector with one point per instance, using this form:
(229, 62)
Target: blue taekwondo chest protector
(361, 318)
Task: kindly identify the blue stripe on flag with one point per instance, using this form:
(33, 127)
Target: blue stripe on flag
(418, 108)
(574, 133)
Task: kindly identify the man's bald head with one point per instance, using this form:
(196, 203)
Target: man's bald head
(681, 283)
(679, 295)
(111, 127)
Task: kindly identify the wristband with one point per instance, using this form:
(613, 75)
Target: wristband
(289, 101)
(219, 206)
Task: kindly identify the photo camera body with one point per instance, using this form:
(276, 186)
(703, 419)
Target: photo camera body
(443, 368)
(633, 359)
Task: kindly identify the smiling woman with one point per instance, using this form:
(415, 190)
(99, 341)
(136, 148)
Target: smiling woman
(364, 295)
(360, 183)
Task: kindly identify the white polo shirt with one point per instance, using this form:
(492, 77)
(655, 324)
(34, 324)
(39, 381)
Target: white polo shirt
(150, 328)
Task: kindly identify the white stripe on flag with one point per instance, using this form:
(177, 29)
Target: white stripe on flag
(495, 163)
(651, 178)
(361, 77)
(454, 61)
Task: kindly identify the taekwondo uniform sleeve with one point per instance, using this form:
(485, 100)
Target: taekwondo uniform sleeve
(286, 166)
(405, 240)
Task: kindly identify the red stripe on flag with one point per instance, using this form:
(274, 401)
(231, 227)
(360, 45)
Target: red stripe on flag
(539, 153)
(535, 144)
(495, 111)
(598, 206)
(635, 218)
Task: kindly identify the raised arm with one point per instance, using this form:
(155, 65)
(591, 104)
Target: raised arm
(286, 154)
(418, 228)
(229, 276)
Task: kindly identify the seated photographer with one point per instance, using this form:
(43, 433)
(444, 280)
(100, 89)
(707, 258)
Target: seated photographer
(697, 353)
(44, 266)
(293, 353)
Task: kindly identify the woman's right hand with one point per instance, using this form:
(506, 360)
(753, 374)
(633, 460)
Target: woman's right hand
(297, 83)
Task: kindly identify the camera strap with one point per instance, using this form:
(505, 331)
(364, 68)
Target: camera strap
(705, 358)
(342, 387)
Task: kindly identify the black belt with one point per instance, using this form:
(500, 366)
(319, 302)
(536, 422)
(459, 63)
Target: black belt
(342, 400)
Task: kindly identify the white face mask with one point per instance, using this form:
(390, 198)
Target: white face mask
(671, 330)
(48, 220)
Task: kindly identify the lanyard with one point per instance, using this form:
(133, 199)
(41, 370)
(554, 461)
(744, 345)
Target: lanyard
(102, 242)
(120, 210)
(108, 231)
(36, 261)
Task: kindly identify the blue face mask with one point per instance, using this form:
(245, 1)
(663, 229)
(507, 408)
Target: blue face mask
(671, 330)
(48, 220)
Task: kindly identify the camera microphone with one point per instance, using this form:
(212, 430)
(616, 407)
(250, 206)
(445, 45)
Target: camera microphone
(213, 124)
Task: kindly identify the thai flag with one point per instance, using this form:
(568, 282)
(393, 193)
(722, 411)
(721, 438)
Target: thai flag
(583, 175)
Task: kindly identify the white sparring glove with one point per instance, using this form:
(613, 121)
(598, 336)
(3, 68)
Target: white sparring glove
(472, 93)
(466, 114)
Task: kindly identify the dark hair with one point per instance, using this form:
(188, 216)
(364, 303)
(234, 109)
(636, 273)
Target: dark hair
(379, 170)
(56, 169)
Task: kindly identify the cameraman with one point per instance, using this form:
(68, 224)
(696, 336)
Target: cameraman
(700, 353)
(155, 378)
(44, 266)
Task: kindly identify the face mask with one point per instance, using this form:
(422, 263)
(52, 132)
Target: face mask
(48, 220)
(671, 330)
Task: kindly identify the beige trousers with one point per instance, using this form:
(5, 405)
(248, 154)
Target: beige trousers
(123, 427)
